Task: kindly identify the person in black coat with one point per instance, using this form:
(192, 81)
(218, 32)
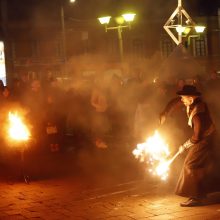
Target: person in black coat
(197, 177)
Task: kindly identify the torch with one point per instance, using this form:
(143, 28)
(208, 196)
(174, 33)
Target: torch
(155, 152)
(20, 134)
(163, 167)
(175, 156)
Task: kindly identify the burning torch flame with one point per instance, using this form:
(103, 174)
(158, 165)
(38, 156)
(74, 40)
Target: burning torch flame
(17, 129)
(155, 153)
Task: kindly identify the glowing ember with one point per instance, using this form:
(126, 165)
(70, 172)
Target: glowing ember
(17, 129)
(162, 169)
(155, 153)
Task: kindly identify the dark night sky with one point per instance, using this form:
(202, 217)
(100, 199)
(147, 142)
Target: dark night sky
(91, 9)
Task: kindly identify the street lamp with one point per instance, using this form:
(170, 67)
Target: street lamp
(199, 30)
(123, 21)
(181, 23)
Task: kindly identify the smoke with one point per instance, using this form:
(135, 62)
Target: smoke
(126, 86)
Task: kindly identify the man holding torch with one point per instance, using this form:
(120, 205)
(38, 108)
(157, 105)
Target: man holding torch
(197, 175)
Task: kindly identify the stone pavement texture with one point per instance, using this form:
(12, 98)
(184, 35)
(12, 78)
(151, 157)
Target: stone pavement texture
(97, 185)
(77, 199)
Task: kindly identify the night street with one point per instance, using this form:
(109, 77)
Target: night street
(109, 110)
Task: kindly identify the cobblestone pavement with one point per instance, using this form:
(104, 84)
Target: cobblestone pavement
(109, 187)
(75, 198)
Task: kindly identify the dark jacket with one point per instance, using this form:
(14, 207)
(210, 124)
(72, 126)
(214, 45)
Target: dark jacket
(197, 177)
(198, 118)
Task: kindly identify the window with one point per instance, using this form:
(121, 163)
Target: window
(200, 47)
(167, 47)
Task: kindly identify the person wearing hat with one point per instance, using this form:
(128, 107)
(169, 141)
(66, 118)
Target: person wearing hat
(195, 180)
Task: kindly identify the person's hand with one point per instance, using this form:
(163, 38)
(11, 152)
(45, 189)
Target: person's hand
(181, 149)
(187, 144)
(162, 118)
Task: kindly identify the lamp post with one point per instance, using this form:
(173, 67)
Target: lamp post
(180, 23)
(199, 30)
(124, 21)
(63, 29)
(63, 33)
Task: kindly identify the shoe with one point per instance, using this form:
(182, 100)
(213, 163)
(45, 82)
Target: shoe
(191, 202)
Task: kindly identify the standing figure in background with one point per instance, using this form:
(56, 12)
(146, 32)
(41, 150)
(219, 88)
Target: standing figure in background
(100, 121)
(52, 123)
(34, 103)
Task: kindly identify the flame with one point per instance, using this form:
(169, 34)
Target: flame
(17, 129)
(155, 153)
(162, 169)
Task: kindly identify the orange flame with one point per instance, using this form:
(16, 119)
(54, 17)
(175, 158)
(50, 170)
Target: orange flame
(155, 153)
(17, 129)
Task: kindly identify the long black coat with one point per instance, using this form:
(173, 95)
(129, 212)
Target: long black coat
(198, 176)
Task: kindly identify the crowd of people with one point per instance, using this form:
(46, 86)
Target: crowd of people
(97, 110)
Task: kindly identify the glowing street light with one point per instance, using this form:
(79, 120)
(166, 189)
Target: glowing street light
(104, 20)
(123, 21)
(180, 29)
(181, 23)
(128, 17)
(199, 29)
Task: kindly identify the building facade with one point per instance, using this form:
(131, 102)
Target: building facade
(61, 46)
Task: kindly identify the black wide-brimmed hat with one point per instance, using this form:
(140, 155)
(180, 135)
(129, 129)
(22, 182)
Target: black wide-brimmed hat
(189, 90)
